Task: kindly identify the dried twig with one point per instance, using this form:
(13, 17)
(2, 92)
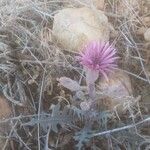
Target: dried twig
(122, 128)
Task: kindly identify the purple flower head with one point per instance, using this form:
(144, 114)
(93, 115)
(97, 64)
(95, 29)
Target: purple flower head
(99, 56)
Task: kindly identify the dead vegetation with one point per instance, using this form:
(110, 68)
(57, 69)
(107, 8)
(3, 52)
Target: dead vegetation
(30, 63)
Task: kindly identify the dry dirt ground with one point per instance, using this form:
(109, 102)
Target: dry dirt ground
(36, 112)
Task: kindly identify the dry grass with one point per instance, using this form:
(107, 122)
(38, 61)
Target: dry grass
(30, 63)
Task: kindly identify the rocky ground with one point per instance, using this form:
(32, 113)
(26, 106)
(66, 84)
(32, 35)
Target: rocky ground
(39, 106)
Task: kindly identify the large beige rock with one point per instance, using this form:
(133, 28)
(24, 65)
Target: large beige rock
(147, 35)
(73, 27)
(116, 90)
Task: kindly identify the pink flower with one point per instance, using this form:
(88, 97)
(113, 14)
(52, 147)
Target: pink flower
(99, 56)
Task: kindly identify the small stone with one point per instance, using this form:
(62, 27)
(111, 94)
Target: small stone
(147, 35)
(146, 6)
(99, 4)
(116, 90)
(146, 21)
(74, 27)
(141, 30)
(5, 110)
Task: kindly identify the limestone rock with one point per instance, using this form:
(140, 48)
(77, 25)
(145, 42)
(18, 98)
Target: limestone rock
(147, 35)
(116, 90)
(73, 27)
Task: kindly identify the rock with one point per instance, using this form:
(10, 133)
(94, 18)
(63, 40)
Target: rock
(115, 91)
(5, 110)
(141, 30)
(73, 27)
(145, 7)
(146, 21)
(99, 4)
(147, 35)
